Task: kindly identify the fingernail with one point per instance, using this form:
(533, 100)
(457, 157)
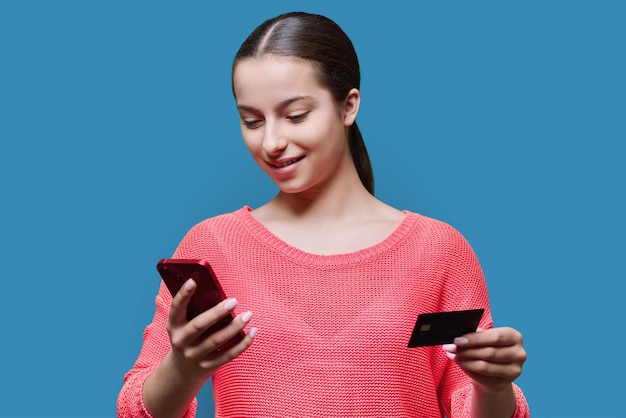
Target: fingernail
(451, 356)
(461, 341)
(252, 332)
(230, 304)
(189, 284)
(246, 316)
(451, 348)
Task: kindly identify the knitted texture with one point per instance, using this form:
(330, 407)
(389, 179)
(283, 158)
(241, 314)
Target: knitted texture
(333, 329)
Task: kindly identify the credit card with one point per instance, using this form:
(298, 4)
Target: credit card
(439, 328)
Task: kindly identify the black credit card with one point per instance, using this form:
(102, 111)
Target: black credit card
(439, 328)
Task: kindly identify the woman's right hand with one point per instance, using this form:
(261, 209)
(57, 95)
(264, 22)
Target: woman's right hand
(170, 388)
(195, 352)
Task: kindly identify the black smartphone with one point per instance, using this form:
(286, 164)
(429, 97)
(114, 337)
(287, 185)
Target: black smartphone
(439, 328)
(175, 272)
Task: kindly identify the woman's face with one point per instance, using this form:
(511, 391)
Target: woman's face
(291, 125)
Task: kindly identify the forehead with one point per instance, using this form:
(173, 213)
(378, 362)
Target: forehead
(273, 77)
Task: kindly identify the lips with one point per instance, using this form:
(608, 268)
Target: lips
(284, 162)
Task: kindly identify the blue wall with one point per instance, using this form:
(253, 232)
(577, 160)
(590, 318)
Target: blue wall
(119, 132)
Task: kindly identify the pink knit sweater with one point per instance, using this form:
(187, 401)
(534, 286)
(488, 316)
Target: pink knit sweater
(333, 329)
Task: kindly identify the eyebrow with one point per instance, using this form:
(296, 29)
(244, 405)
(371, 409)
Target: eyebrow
(282, 104)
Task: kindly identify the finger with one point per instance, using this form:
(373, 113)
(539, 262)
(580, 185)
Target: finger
(450, 348)
(187, 338)
(216, 359)
(211, 360)
(502, 355)
(214, 351)
(178, 308)
(494, 337)
(206, 319)
(209, 342)
(485, 369)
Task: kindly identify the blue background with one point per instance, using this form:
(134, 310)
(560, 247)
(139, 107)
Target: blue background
(119, 132)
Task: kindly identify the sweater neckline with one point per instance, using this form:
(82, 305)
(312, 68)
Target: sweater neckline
(277, 245)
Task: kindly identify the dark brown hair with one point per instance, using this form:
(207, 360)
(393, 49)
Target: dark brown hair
(321, 41)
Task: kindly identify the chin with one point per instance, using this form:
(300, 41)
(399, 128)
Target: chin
(292, 188)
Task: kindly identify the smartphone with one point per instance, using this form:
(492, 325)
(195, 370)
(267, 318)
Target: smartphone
(175, 272)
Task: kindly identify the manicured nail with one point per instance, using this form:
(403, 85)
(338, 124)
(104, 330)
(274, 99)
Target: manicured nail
(451, 356)
(461, 341)
(230, 304)
(246, 316)
(450, 348)
(252, 332)
(189, 284)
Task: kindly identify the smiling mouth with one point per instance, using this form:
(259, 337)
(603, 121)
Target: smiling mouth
(284, 163)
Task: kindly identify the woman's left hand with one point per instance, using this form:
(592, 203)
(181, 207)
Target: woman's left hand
(492, 358)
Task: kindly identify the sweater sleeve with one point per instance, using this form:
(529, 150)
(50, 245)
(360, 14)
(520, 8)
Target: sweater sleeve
(156, 340)
(156, 344)
(461, 404)
(464, 288)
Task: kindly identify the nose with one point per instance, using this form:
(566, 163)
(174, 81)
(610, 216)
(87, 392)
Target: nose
(274, 141)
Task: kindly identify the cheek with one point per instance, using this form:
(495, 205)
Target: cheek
(318, 132)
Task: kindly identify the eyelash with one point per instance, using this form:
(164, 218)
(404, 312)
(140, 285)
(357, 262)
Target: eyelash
(298, 118)
(251, 124)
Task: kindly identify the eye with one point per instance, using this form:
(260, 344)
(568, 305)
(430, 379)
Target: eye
(298, 118)
(251, 123)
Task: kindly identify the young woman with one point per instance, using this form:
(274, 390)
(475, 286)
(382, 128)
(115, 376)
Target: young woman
(335, 277)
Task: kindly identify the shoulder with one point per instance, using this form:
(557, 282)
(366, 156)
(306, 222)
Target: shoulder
(438, 241)
(435, 230)
(212, 233)
(218, 223)
(449, 264)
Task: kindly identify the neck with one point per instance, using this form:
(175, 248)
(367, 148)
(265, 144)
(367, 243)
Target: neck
(343, 195)
(338, 203)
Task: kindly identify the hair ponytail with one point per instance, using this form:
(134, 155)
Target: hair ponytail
(361, 157)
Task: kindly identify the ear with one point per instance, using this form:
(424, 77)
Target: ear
(351, 107)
